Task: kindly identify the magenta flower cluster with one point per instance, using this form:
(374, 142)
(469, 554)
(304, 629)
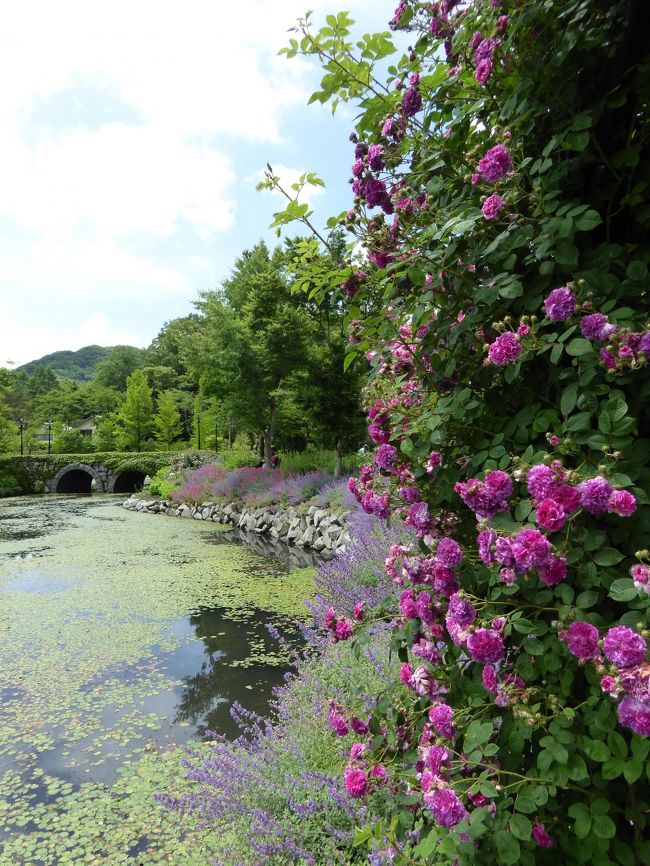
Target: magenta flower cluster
(626, 650)
(496, 163)
(492, 207)
(505, 349)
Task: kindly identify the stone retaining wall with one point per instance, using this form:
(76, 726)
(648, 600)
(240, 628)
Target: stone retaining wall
(311, 527)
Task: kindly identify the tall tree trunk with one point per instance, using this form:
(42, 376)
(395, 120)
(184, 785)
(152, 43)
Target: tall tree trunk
(268, 433)
(338, 465)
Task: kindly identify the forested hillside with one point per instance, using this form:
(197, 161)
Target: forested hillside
(78, 366)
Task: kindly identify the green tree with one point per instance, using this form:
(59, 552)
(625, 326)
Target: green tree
(136, 413)
(109, 433)
(333, 401)
(167, 422)
(165, 350)
(253, 339)
(42, 380)
(71, 442)
(120, 364)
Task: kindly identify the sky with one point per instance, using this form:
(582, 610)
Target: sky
(132, 135)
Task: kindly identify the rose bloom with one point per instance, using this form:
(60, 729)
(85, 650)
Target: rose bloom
(553, 570)
(440, 716)
(355, 781)
(485, 646)
(560, 304)
(641, 577)
(596, 327)
(568, 497)
(595, 494)
(530, 548)
(446, 807)
(550, 515)
(483, 72)
(492, 206)
(624, 647)
(496, 163)
(541, 836)
(635, 715)
(505, 349)
(621, 502)
(541, 481)
(449, 552)
(385, 456)
(582, 640)
(343, 630)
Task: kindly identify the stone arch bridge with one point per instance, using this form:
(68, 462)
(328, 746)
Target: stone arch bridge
(112, 472)
(86, 477)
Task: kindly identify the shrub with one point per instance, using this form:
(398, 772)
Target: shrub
(252, 486)
(503, 310)
(314, 459)
(162, 484)
(277, 786)
(238, 458)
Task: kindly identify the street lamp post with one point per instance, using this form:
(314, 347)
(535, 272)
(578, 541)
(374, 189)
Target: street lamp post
(21, 426)
(48, 424)
(198, 430)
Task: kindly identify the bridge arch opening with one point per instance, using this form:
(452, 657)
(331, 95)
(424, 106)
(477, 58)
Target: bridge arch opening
(75, 481)
(77, 478)
(128, 482)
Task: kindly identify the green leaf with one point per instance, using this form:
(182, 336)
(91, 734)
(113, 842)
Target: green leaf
(637, 271)
(582, 818)
(623, 589)
(587, 599)
(539, 794)
(525, 803)
(507, 847)
(426, 846)
(596, 750)
(604, 423)
(613, 768)
(520, 827)
(579, 346)
(577, 768)
(617, 744)
(607, 556)
(569, 398)
(577, 140)
(362, 835)
(588, 221)
(604, 827)
(582, 121)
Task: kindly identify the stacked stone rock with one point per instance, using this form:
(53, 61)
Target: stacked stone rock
(314, 528)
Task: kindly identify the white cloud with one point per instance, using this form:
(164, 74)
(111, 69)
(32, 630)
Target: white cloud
(28, 343)
(94, 200)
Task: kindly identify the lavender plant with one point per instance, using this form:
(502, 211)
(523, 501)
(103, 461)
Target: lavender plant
(500, 195)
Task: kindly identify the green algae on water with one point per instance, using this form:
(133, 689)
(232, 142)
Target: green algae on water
(100, 615)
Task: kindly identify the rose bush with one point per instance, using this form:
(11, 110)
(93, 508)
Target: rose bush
(500, 195)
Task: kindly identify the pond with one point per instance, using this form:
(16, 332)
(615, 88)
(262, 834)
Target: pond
(124, 635)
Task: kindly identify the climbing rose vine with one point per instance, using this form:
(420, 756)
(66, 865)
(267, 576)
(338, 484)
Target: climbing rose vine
(499, 190)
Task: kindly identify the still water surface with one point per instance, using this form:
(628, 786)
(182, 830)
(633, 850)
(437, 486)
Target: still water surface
(123, 635)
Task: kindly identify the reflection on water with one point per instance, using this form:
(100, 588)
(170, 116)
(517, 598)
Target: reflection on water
(38, 581)
(286, 554)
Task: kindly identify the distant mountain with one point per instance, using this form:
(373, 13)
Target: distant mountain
(78, 366)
